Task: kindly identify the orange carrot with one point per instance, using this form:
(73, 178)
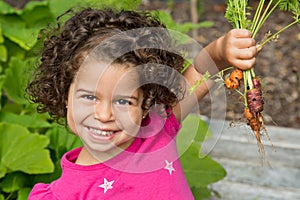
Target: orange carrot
(234, 80)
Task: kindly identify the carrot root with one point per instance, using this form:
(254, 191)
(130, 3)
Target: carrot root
(255, 100)
(234, 80)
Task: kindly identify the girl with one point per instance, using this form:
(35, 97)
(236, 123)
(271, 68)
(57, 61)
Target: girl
(116, 77)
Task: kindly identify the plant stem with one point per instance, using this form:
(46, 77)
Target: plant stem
(252, 72)
(266, 16)
(249, 78)
(257, 14)
(245, 87)
(222, 71)
(239, 92)
(278, 32)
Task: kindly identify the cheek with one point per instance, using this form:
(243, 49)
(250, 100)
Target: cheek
(130, 120)
(71, 122)
(77, 114)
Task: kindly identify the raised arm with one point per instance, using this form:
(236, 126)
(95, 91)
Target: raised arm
(236, 48)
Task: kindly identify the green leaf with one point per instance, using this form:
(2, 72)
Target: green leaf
(57, 7)
(37, 14)
(17, 76)
(14, 50)
(6, 8)
(15, 29)
(22, 151)
(166, 18)
(2, 79)
(13, 182)
(1, 36)
(116, 4)
(3, 171)
(3, 53)
(23, 193)
(30, 121)
(288, 5)
(195, 128)
(32, 5)
(49, 177)
(236, 13)
(177, 31)
(61, 140)
(1, 197)
(200, 172)
(200, 193)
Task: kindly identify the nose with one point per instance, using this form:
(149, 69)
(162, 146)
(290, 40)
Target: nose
(103, 112)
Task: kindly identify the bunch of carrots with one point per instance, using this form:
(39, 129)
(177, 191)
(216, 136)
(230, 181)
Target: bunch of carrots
(254, 104)
(236, 14)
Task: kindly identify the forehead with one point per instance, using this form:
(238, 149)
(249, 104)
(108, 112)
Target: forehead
(95, 74)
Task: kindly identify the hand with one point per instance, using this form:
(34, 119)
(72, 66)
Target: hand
(238, 48)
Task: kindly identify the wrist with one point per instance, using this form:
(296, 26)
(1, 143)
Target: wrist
(216, 50)
(220, 58)
(211, 59)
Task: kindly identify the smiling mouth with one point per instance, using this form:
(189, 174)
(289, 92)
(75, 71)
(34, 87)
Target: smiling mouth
(101, 132)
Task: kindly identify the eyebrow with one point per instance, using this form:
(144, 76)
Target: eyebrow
(85, 91)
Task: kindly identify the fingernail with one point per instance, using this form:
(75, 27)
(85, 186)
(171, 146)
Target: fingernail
(258, 47)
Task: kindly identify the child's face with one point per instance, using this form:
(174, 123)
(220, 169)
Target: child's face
(105, 106)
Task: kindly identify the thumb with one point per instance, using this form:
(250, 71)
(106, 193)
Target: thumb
(258, 48)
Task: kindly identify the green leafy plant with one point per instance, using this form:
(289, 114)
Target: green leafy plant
(32, 144)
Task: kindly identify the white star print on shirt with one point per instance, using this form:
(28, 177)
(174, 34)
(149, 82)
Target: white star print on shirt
(169, 167)
(107, 185)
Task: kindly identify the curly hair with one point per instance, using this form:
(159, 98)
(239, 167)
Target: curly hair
(128, 38)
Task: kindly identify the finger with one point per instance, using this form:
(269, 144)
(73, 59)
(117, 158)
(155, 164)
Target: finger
(244, 64)
(258, 47)
(247, 53)
(244, 43)
(240, 33)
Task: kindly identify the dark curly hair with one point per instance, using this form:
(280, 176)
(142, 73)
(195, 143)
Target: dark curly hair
(136, 38)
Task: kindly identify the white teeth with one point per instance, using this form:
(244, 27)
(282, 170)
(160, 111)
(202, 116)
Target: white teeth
(102, 133)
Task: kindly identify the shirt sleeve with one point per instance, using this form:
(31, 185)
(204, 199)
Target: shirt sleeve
(41, 192)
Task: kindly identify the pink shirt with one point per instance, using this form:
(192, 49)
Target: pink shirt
(148, 169)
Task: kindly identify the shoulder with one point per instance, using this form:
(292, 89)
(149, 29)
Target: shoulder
(45, 191)
(160, 125)
(41, 191)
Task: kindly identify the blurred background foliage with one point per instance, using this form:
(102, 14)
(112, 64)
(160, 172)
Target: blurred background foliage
(32, 144)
